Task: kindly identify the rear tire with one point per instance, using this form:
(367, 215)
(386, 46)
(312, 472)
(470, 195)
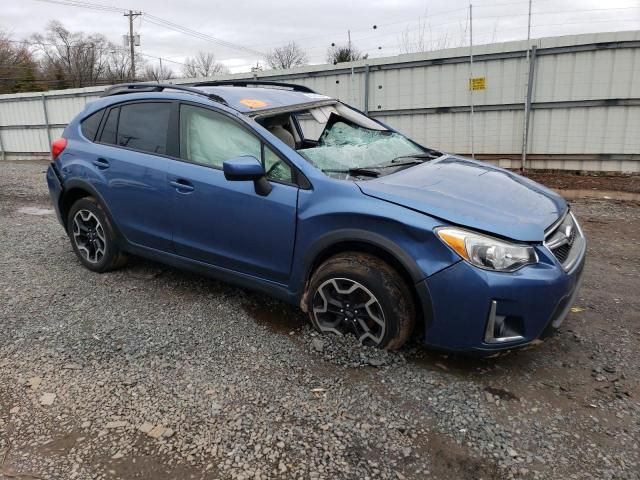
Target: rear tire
(359, 293)
(92, 236)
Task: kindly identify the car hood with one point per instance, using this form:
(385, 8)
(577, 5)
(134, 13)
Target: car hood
(472, 194)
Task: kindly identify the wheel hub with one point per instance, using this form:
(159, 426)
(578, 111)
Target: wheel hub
(342, 306)
(88, 235)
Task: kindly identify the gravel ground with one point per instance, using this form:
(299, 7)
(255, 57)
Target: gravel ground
(150, 372)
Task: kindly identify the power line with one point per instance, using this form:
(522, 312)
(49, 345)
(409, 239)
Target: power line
(82, 4)
(157, 21)
(196, 34)
(382, 32)
(88, 47)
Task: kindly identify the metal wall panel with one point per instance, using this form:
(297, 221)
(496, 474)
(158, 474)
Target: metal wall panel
(427, 96)
(493, 131)
(26, 111)
(30, 140)
(62, 110)
(588, 75)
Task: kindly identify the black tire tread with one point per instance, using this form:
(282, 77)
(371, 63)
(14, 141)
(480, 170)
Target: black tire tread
(393, 284)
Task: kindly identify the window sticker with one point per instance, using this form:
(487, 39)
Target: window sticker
(253, 103)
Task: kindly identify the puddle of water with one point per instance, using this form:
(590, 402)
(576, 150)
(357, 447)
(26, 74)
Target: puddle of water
(278, 320)
(35, 211)
(600, 194)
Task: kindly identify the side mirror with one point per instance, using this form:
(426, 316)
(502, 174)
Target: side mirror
(247, 168)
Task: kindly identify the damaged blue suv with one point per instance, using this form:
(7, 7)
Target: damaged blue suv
(280, 189)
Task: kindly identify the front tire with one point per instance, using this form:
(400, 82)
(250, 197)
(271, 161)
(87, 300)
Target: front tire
(92, 237)
(359, 293)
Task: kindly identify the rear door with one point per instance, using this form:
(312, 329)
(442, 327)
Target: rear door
(226, 223)
(131, 157)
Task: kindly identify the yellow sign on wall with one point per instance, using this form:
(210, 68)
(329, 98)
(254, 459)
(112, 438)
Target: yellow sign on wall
(478, 83)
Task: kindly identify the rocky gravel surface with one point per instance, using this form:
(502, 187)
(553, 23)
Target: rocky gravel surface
(154, 373)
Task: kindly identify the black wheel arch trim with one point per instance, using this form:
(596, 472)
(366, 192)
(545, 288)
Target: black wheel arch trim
(89, 188)
(360, 236)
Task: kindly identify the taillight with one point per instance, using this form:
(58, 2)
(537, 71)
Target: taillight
(57, 147)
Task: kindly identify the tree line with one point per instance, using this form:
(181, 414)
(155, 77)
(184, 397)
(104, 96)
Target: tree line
(59, 59)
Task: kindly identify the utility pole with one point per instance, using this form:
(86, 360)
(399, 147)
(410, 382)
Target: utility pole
(527, 102)
(473, 155)
(132, 42)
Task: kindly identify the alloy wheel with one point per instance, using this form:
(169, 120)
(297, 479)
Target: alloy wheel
(342, 306)
(88, 235)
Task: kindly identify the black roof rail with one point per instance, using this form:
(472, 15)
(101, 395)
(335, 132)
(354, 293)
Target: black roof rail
(253, 83)
(123, 88)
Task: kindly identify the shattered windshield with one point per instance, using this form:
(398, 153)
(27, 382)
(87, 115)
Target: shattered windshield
(346, 149)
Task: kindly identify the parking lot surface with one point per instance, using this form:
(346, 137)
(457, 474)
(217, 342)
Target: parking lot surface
(150, 372)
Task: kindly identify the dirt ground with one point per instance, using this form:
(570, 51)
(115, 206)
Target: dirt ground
(232, 372)
(586, 181)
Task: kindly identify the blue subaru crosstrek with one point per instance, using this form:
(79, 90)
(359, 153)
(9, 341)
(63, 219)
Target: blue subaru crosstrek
(280, 189)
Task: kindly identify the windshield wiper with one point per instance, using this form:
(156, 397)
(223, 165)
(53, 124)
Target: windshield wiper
(374, 170)
(425, 155)
(366, 171)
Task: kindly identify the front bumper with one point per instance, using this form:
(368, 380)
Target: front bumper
(461, 301)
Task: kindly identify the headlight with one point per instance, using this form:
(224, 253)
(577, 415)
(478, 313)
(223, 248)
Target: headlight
(487, 252)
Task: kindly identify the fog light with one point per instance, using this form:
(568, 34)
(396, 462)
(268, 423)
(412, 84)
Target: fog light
(500, 328)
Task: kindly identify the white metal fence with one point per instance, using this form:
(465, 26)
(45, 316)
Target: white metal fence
(584, 114)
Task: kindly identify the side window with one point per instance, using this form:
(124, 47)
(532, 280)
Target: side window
(89, 125)
(276, 169)
(209, 138)
(110, 127)
(144, 126)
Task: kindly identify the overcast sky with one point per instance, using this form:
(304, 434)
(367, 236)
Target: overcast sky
(263, 25)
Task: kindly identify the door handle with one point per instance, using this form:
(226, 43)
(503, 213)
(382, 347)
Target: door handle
(101, 163)
(182, 186)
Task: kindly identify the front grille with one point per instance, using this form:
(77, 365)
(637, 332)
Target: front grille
(562, 237)
(562, 252)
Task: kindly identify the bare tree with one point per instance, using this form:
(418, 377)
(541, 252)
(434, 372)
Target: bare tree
(344, 53)
(18, 69)
(413, 40)
(118, 67)
(203, 65)
(287, 56)
(158, 73)
(422, 38)
(81, 58)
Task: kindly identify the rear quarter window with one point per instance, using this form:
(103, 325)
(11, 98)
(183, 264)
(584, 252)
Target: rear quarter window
(144, 126)
(89, 126)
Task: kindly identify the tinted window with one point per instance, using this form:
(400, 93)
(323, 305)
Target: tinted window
(210, 138)
(89, 125)
(110, 127)
(144, 126)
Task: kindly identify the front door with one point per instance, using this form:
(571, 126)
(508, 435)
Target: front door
(226, 223)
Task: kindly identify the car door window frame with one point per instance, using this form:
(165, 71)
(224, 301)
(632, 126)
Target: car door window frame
(298, 178)
(172, 150)
(101, 112)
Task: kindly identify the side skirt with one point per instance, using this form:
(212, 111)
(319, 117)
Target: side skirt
(250, 282)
